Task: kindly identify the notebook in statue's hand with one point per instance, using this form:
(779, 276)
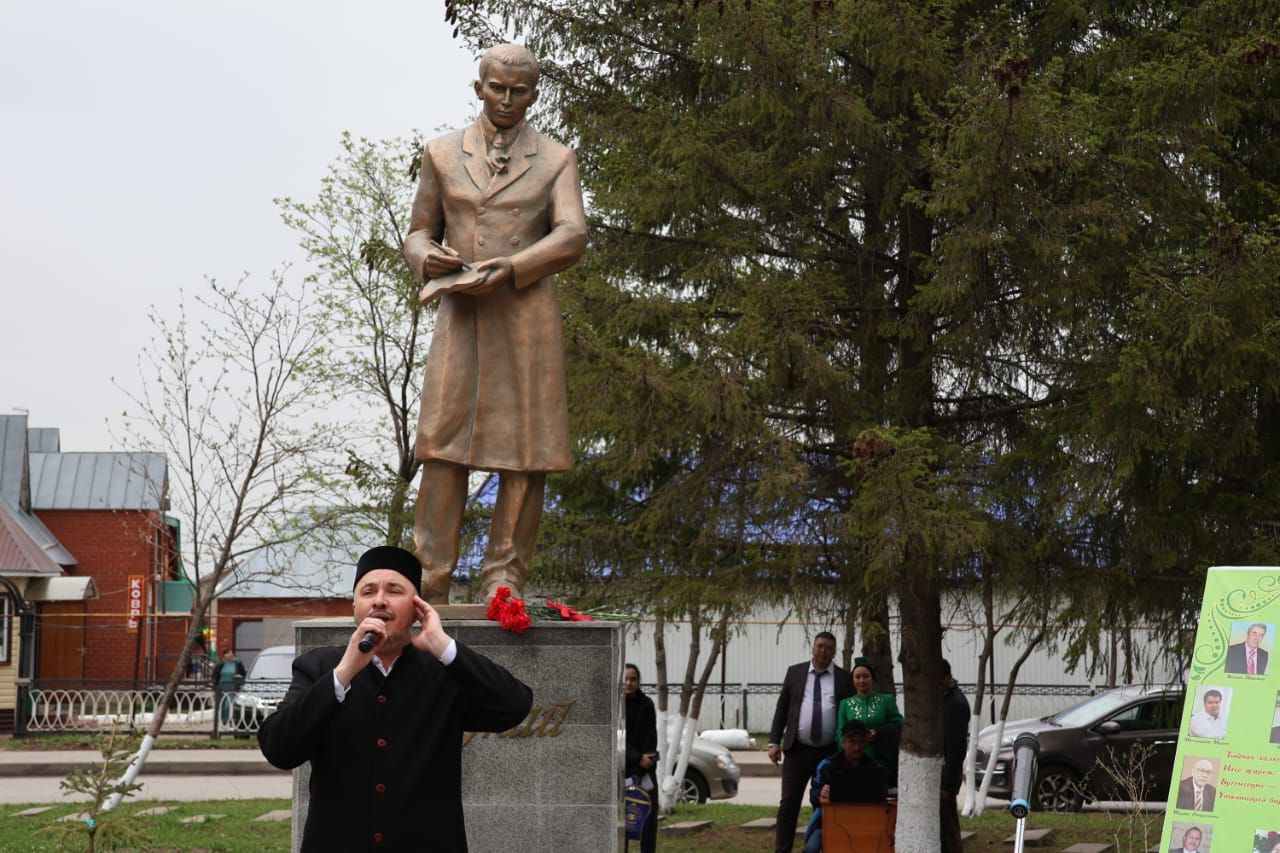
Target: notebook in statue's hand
(865, 784)
(460, 280)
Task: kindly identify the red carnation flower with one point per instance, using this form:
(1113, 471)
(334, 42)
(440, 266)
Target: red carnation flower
(567, 613)
(514, 618)
(508, 612)
(497, 603)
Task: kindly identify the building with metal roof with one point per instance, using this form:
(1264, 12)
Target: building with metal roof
(71, 525)
(115, 481)
(13, 460)
(43, 440)
(35, 550)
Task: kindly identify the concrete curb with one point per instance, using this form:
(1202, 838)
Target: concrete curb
(172, 762)
(230, 762)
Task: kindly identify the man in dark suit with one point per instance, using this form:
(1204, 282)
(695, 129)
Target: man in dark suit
(1275, 734)
(955, 742)
(1247, 658)
(383, 728)
(804, 728)
(1195, 792)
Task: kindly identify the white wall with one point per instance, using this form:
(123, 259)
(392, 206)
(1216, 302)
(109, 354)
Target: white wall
(771, 639)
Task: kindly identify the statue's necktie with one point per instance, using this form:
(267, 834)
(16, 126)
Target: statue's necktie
(815, 724)
(498, 155)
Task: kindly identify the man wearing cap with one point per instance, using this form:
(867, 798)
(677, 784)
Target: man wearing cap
(383, 728)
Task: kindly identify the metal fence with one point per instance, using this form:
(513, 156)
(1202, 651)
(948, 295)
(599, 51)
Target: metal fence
(48, 707)
(751, 706)
(197, 708)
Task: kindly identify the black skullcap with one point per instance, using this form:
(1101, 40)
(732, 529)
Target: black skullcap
(393, 558)
(853, 727)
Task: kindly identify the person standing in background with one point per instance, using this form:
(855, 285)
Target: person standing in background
(879, 713)
(642, 750)
(804, 729)
(955, 742)
(228, 678)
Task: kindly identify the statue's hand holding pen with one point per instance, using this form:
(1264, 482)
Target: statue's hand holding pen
(442, 261)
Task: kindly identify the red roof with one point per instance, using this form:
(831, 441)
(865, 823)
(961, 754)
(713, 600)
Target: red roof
(20, 555)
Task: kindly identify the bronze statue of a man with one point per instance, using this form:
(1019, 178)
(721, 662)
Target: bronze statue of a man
(506, 203)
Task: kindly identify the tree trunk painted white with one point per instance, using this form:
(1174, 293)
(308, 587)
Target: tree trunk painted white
(980, 801)
(918, 788)
(131, 772)
(664, 723)
(673, 758)
(971, 770)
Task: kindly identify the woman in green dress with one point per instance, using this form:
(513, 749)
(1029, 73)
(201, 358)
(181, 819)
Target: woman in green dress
(878, 712)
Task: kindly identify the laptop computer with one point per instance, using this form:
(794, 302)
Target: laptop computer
(867, 784)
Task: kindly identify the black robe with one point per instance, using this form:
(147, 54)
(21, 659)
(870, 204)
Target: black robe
(386, 762)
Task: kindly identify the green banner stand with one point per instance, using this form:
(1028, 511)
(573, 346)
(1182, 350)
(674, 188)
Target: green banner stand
(1225, 794)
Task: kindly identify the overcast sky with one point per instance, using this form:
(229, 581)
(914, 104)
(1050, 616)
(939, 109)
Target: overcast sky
(141, 145)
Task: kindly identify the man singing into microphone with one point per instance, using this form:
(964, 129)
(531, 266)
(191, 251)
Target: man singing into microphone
(383, 728)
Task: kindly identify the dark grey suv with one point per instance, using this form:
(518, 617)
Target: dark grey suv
(1079, 744)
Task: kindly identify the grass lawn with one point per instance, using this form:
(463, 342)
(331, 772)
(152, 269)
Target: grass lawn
(237, 831)
(726, 836)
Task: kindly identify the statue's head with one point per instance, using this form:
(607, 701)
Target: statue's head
(508, 83)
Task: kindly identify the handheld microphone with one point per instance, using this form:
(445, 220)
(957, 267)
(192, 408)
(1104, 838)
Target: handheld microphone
(1026, 751)
(368, 641)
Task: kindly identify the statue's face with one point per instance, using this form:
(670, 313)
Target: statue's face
(507, 92)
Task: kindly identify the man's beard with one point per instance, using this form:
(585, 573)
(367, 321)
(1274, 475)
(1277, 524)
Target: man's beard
(393, 636)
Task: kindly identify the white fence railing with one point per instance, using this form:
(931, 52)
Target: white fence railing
(71, 709)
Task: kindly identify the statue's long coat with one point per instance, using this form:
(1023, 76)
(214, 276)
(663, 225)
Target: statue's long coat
(494, 393)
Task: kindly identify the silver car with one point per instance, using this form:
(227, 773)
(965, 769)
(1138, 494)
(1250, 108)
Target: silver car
(712, 774)
(263, 688)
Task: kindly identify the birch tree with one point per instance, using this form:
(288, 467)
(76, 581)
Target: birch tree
(223, 396)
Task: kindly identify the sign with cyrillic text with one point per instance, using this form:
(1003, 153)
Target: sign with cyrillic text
(1225, 793)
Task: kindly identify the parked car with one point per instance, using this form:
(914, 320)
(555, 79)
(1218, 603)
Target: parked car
(1087, 750)
(712, 774)
(263, 688)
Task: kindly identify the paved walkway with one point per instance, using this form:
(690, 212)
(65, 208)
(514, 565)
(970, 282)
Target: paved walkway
(32, 776)
(44, 789)
(183, 762)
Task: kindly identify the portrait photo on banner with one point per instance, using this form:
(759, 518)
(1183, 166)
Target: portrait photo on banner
(1189, 837)
(1267, 840)
(1212, 708)
(1249, 649)
(1198, 783)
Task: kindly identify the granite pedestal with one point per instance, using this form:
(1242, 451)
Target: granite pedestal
(552, 783)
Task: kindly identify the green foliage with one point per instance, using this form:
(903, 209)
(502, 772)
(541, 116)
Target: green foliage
(237, 831)
(1032, 247)
(909, 502)
(374, 329)
(108, 829)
